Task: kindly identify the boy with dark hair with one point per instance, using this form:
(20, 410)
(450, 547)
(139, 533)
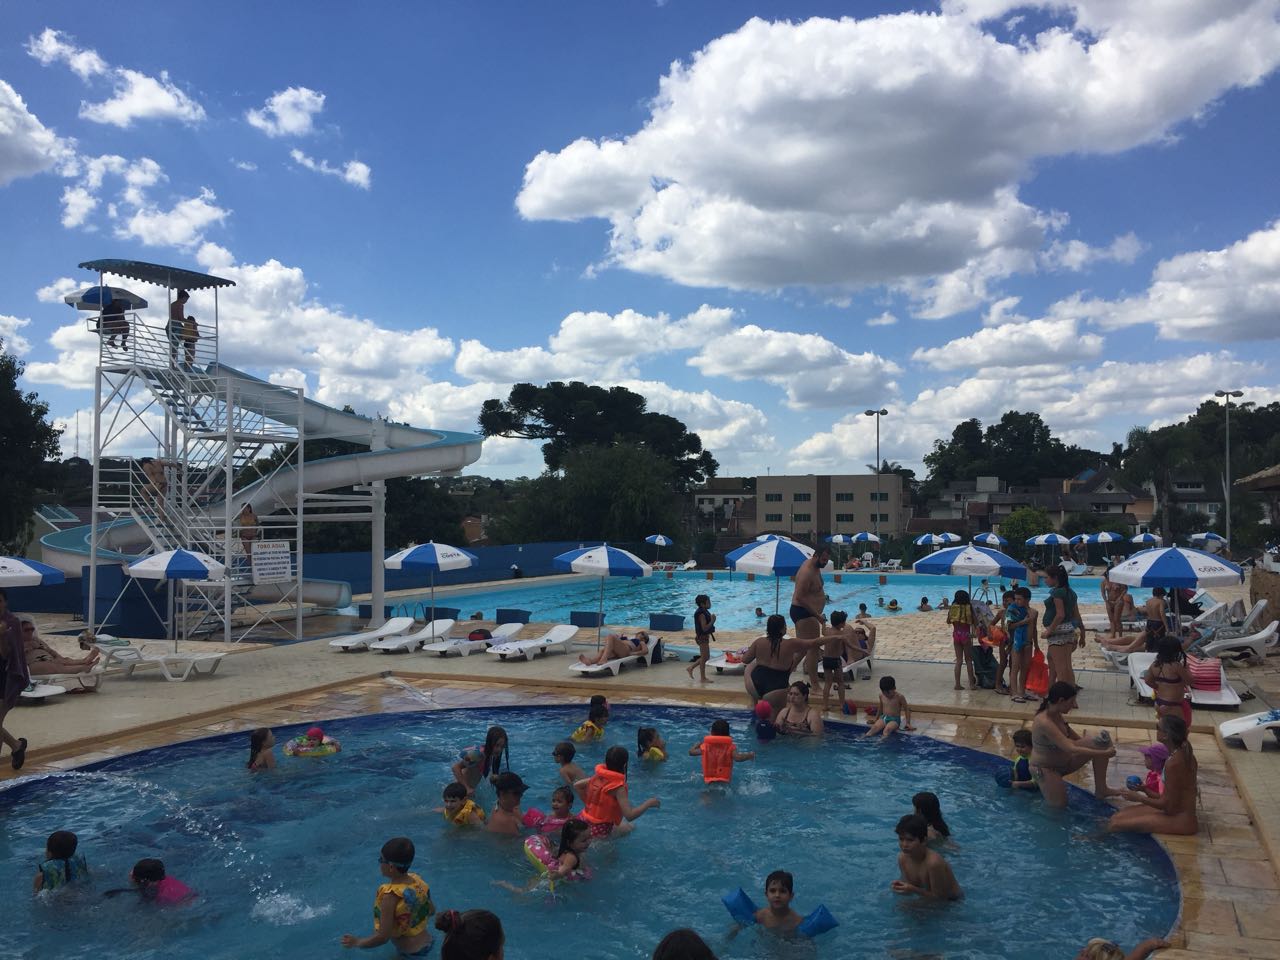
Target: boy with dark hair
(924, 872)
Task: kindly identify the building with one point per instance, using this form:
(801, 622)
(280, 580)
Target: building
(814, 505)
(1096, 493)
(952, 502)
(1198, 493)
(719, 498)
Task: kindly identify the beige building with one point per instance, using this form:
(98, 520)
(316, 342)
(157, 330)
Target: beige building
(815, 505)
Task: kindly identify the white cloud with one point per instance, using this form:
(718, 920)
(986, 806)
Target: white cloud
(812, 370)
(729, 428)
(1076, 255)
(182, 225)
(77, 204)
(14, 342)
(353, 171)
(54, 292)
(594, 335)
(288, 113)
(807, 153)
(247, 165)
(27, 146)
(475, 361)
(1215, 295)
(135, 95)
(1015, 344)
(885, 319)
(77, 358)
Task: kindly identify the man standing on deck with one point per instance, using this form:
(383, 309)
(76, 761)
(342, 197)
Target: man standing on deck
(807, 603)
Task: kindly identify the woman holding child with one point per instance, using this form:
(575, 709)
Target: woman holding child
(1057, 750)
(1172, 811)
(770, 660)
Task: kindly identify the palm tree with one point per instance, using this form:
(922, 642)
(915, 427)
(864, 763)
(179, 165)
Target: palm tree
(888, 466)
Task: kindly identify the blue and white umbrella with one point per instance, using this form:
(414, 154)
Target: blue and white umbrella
(771, 558)
(1104, 536)
(659, 541)
(1048, 540)
(1147, 539)
(21, 572)
(865, 537)
(95, 298)
(1208, 537)
(602, 561)
(1176, 567)
(431, 556)
(970, 561)
(936, 539)
(177, 565)
(839, 538)
(990, 540)
(1078, 538)
(771, 536)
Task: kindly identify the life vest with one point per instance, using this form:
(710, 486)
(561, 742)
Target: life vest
(461, 817)
(589, 730)
(413, 906)
(59, 873)
(602, 802)
(717, 758)
(654, 753)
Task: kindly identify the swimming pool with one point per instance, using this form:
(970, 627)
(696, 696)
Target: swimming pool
(285, 863)
(733, 599)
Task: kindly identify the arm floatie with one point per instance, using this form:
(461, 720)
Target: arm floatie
(818, 922)
(740, 907)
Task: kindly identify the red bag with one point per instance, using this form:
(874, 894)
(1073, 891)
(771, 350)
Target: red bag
(1038, 675)
(1206, 673)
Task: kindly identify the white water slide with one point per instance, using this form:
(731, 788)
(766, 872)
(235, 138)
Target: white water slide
(410, 452)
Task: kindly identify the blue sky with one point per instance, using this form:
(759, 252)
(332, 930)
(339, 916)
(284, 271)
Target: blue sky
(762, 217)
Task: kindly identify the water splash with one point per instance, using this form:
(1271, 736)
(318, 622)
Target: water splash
(286, 910)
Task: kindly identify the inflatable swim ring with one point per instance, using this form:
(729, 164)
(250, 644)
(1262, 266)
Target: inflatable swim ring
(303, 747)
(535, 819)
(538, 850)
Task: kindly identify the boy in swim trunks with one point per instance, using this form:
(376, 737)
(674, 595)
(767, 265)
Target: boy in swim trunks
(840, 647)
(1020, 621)
(895, 712)
(506, 815)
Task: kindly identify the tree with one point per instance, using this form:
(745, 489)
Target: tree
(573, 415)
(1154, 456)
(1023, 524)
(27, 440)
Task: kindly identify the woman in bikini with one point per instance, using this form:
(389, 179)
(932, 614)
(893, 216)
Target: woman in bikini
(1058, 751)
(1170, 680)
(43, 660)
(797, 717)
(616, 647)
(1174, 810)
(770, 660)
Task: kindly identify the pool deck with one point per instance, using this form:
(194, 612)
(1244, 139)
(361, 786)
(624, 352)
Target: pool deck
(1231, 893)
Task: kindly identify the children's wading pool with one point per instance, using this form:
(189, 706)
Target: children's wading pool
(286, 862)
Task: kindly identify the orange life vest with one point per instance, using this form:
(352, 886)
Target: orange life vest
(601, 805)
(717, 758)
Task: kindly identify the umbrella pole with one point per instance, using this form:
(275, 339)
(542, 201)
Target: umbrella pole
(600, 615)
(777, 593)
(433, 596)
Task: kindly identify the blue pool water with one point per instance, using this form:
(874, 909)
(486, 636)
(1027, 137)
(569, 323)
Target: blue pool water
(287, 862)
(733, 600)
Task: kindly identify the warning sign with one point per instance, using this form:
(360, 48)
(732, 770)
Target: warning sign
(272, 561)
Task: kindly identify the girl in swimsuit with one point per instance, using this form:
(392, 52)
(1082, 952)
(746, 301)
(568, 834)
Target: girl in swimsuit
(1170, 679)
(797, 717)
(1174, 810)
(1057, 750)
(770, 660)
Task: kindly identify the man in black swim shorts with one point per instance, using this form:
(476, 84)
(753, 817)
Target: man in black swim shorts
(807, 603)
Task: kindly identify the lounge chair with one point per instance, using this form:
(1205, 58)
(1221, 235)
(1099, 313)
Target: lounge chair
(1252, 729)
(555, 639)
(1255, 645)
(360, 641)
(723, 664)
(1252, 623)
(1225, 696)
(892, 565)
(614, 667)
(175, 666)
(465, 647)
(89, 680)
(405, 642)
(39, 692)
(1099, 623)
(859, 669)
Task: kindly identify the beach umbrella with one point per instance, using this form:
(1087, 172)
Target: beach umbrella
(865, 537)
(1104, 537)
(177, 565)
(839, 538)
(21, 572)
(971, 561)
(1047, 540)
(772, 536)
(1078, 538)
(95, 298)
(431, 556)
(776, 558)
(990, 540)
(658, 541)
(1176, 567)
(1147, 539)
(602, 561)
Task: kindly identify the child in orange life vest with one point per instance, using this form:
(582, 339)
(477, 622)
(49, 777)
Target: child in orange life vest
(719, 753)
(604, 796)
(458, 809)
(593, 727)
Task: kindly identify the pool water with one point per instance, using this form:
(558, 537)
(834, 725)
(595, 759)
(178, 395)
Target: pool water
(733, 600)
(286, 862)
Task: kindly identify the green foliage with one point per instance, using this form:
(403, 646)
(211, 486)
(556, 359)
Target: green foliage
(616, 493)
(27, 440)
(1023, 524)
(573, 415)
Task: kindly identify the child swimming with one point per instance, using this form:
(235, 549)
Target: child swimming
(927, 805)
(563, 754)
(894, 712)
(719, 753)
(604, 796)
(924, 872)
(401, 907)
(567, 863)
(63, 865)
(650, 745)
(476, 763)
(153, 883)
(779, 891)
(1020, 776)
(593, 727)
(553, 822)
(506, 815)
(470, 935)
(261, 743)
(459, 809)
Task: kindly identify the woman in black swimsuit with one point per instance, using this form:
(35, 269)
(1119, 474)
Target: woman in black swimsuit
(770, 660)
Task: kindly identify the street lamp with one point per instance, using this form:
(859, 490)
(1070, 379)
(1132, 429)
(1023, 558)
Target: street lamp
(875, 519)
(1226, 491)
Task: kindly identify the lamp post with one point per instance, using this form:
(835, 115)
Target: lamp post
(1226, 487)
(875, 518)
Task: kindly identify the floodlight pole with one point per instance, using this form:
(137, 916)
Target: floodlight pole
(875, 517)
(1226, 487)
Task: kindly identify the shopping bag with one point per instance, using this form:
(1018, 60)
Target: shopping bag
(1038, 675)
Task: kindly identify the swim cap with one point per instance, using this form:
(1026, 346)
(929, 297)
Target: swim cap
(763, 710)
(315, 733)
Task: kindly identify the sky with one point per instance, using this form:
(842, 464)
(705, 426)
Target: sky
(764, 217)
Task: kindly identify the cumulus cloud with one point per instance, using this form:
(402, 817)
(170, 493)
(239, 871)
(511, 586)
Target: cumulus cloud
(1016, 344)
(806, 153)
(353, 171)
(181, 225)
(27, 146)
(812, 370)
(595, 335)
(1218, 295)
(288, 113)
(732, 429)
(134, 96)
(1076, 255)
(885, 319)
(247, 165)
(14, 342)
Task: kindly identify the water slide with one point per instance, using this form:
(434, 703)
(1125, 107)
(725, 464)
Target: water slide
(409, 452)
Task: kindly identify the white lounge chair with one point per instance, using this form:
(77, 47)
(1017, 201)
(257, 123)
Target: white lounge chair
(89, 680)
(1256, 644)
(1099, 623)
(1225, 696)
(614, 667)
(723, 664)
(39, 692)
(859, 669)
(405, 642)
(175, 666)
(1252, 623)
(394, 627)
(464, 647)
(1252, 730)
(892, 565)
(555, 639)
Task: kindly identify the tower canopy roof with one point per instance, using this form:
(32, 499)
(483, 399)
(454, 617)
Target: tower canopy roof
(175, 278)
